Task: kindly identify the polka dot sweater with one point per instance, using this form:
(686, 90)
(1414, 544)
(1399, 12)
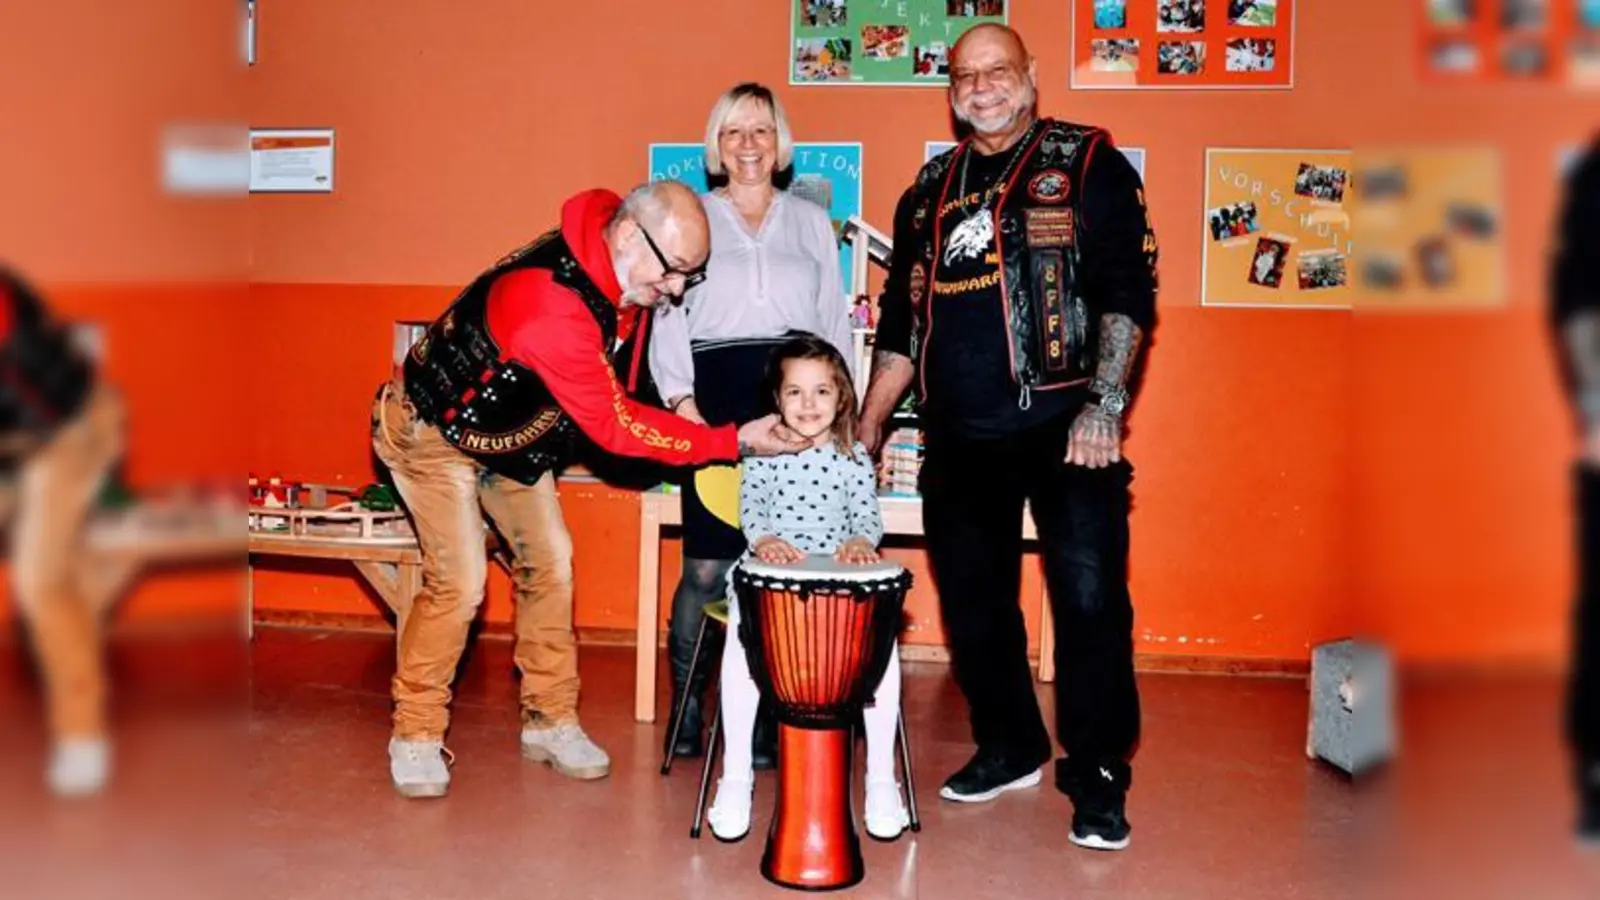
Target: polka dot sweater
(815, 500)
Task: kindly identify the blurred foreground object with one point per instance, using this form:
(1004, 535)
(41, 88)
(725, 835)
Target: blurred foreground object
(1352, 706)
(61, 434)
(1576, 313)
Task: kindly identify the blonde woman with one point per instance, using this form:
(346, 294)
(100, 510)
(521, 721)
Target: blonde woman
(774, 271)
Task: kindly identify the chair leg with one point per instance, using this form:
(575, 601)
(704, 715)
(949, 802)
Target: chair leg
(683, 701)
(705, 771)
(905, 768)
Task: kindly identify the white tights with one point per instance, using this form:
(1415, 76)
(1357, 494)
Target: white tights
(740, 697)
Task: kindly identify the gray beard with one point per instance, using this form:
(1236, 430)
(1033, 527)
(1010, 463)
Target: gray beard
(1029, 98)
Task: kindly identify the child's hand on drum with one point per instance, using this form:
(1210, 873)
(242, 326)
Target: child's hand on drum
(777, 550)
(857, 550)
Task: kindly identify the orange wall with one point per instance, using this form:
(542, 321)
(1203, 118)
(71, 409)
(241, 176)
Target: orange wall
(1300, 473)
(88, 89)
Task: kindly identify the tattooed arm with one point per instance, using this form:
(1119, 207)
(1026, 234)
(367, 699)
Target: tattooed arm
(1119, 256)
(891, 377)
(1097, 434)
(892, 369)
(1581, 338)
(1577, 295)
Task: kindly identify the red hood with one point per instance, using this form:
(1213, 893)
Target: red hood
(583, 222)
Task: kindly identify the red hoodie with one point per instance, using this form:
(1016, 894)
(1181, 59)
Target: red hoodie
(549, 329)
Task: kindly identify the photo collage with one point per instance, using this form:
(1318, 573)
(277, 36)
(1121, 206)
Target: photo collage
(869, 42)
(1541, 41)
(1276, 229)
(1431, 225)
(1183, 43)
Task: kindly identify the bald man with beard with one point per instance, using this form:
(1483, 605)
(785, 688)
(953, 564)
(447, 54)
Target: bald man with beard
(519, 374)
(1021, 291)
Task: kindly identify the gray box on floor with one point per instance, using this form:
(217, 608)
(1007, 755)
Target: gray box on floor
(1352, 705)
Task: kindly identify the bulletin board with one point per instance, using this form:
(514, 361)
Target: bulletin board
(1509, 41)
(1432, 228)
(1183, 44)
(1275, 229)
(881, 42)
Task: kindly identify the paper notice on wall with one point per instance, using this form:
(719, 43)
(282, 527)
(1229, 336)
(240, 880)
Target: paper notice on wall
(291, 160)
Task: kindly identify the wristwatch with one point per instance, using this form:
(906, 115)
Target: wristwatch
(1113, 398)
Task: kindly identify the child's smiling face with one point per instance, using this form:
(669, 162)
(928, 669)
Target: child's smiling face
(809, 397)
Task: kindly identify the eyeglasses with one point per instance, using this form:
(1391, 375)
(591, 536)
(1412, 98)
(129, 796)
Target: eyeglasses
(691, 277)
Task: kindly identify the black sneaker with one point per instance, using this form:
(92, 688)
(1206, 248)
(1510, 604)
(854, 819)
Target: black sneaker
(985, 778)
(1099, 796)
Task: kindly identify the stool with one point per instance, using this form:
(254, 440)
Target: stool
(717, 611)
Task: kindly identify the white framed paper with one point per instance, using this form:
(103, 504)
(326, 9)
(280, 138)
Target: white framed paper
(291, 160)
(205, 160)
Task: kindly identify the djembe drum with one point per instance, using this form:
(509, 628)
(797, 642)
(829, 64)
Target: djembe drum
(818, 636)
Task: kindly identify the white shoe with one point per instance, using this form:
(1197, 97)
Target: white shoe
(79, 767)
(567, 749)
(887, 816)
(730, 812)
(419, 768)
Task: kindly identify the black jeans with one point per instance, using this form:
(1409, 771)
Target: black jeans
(1583, 719)
(973, 493)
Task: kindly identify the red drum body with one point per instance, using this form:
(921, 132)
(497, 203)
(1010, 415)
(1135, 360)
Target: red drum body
(818, 635)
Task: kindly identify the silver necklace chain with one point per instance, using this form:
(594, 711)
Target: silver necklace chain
(1005, 174)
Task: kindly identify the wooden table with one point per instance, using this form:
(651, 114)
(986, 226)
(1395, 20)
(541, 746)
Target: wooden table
(393, 568)
(659, 509)
(121, 545)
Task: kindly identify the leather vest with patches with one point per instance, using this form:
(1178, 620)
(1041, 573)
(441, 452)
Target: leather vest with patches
(1052, 332)
(498, 412)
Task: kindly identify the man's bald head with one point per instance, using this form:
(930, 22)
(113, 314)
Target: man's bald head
(994, 35)
(659, 234)
(992, 81)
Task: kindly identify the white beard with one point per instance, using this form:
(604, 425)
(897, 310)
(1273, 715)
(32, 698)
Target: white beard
(630, 294)
(1026, 101)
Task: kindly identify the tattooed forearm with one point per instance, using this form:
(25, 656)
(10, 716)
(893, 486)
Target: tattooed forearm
(1581, 335)
(891, 376)
(1119, 346)
(883, 360)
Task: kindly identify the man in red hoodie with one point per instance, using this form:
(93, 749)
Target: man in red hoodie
(506, 386)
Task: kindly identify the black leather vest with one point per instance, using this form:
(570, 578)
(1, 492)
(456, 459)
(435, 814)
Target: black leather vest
(499, 413)
(45, 378)
(1052, 332)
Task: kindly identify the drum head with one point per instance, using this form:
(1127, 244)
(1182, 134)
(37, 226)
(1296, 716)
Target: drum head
(818, 567)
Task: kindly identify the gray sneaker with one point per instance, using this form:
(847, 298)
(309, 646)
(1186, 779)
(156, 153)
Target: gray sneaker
(567, 749)
(419, 768)
(79, 766)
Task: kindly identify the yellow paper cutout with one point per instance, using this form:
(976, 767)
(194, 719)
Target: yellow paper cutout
(718, 487)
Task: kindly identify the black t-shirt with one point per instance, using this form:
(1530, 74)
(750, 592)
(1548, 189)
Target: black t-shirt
(970, 383)
(967, 359)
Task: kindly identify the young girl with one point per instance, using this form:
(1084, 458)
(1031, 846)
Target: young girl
(821, 501)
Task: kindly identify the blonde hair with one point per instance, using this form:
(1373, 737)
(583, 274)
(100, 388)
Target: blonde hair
(726, 104)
